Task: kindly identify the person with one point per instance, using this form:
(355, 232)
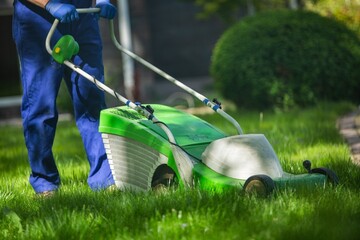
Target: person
(41, 77)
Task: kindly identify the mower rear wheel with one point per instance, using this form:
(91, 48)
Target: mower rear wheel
(164, 178)
(259, 185)
(330, 175)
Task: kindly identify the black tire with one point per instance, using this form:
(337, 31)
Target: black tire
(331, 175)
(259, 185)
(163, 178)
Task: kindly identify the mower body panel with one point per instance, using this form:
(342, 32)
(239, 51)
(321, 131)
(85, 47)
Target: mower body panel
(206, 178)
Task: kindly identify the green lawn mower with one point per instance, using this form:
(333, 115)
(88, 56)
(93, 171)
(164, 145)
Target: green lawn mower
(156, 146)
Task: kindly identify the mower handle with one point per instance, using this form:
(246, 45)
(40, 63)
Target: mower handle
(99, 84)
(56, 22)
(211, 104)
(142, 110)
(216, 107)
(88, 10)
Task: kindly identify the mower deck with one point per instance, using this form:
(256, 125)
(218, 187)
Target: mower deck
(137, 148)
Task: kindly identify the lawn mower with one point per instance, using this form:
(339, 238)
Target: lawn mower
(155, 146)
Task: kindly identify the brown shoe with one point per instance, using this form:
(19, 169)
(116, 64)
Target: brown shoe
(46, 194)
(112, 188)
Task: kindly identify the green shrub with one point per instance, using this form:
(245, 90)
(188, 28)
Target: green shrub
(286, 58)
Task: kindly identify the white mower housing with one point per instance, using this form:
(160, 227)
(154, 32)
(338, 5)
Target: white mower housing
(242, 156)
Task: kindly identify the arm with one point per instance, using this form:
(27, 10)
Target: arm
(40, 3)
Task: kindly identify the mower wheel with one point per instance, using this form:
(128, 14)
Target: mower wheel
(259, 185)
(331, 175)
(164, 178)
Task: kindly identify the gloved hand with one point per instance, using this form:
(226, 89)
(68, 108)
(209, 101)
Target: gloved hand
(64, 12)
(107, 10)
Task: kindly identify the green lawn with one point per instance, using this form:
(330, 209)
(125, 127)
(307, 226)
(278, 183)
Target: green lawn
(78, 213)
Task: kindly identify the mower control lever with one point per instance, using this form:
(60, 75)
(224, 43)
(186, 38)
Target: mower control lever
(149, 109)
(217, 102)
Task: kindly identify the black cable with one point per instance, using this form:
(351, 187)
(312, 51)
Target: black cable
(96, 84)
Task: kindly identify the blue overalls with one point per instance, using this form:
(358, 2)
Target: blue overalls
(41, 78)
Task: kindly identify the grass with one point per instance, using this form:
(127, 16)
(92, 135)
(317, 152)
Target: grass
(78, 213)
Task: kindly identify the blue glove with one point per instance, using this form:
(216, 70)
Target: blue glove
(64, 12)
(107, 10)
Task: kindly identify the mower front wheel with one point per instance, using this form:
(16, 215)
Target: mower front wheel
(259, 185)
(164, 178)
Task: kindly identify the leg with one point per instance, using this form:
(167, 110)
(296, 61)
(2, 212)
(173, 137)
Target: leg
(40, 80)
(88, 100)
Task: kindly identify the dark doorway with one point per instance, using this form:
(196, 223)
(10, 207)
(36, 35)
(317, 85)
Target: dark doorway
(181, 43)
(9, 67)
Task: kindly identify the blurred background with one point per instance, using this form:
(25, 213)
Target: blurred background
(178, 36)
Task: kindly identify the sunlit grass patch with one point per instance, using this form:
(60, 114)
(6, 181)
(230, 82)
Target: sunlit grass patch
(76, 212)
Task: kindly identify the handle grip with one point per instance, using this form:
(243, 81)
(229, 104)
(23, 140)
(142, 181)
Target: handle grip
(56, 22)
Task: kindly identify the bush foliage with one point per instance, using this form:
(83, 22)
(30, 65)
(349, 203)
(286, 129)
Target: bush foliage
(347, 11)
(286, 58)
